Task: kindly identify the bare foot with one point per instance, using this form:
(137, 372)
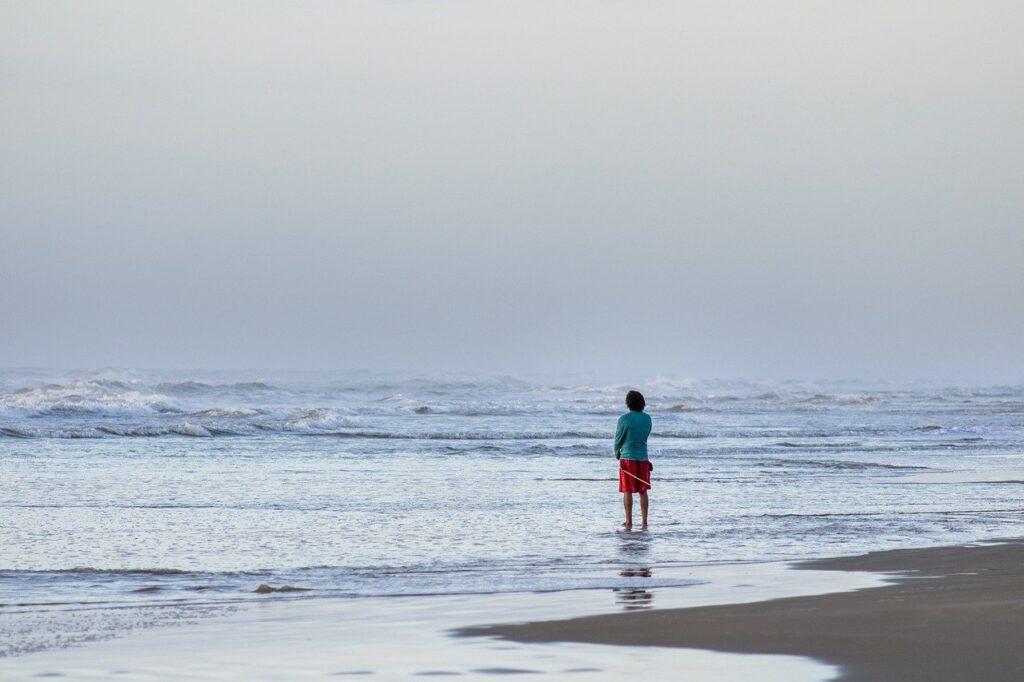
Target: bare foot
(643, 527)
(627, 526)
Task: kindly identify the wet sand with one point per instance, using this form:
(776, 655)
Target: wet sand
(275, 637)
(957, 613)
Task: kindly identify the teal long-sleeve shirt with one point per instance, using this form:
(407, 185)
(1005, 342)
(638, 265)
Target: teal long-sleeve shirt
(631, 435)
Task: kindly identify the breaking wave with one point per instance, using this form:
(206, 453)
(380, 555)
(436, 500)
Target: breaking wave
(85, 397)
(830, 399)
(682, 407)
(193, 387)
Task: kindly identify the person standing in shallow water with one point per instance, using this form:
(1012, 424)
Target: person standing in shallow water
(631, 434)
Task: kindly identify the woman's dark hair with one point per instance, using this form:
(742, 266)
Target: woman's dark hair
(635, 401)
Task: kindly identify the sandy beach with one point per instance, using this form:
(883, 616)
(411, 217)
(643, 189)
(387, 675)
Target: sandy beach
(950, 613)
(280, 636)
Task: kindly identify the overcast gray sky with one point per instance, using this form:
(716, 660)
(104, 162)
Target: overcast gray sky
(709, 189)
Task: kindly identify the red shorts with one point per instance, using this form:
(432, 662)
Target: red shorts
(639, 468)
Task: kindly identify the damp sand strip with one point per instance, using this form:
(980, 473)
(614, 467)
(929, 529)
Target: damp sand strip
(949, 613)
(297, 637)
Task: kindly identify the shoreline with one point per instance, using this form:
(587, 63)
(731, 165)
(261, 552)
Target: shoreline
(947, 613)
(403, 637)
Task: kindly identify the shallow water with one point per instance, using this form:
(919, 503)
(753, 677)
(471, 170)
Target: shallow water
(400, 638)
(140, 488)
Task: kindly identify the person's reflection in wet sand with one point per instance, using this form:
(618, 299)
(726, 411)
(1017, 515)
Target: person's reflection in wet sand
(634, 599)
(635, 573)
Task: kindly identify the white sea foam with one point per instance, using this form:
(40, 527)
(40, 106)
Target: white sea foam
(193, 430)
(83, 397)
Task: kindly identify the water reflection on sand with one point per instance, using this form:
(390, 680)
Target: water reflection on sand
(633, 598)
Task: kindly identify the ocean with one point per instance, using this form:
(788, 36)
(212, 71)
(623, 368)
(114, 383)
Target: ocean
(192, 489)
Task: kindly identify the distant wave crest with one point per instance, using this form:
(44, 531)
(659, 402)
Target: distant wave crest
(85, 397)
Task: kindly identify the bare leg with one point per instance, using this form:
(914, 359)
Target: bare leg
(627, 505)
(643, 510)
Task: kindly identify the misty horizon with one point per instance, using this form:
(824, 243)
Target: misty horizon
(778, 190)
